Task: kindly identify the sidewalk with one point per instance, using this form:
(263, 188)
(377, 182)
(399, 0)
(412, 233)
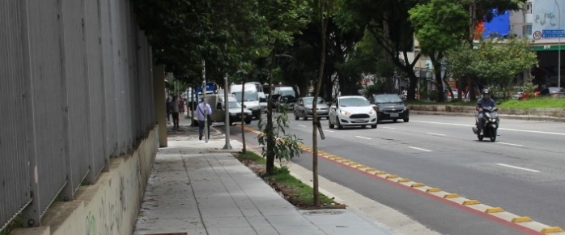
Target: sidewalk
(198, 188)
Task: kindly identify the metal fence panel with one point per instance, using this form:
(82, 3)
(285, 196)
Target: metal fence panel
(108, 64)
(14, 190)
(45, 39)
(77, 90)
(96, 89)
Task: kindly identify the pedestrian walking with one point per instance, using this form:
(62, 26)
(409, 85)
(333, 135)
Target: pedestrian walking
(202, 112)
(175, 109)
(168, 106)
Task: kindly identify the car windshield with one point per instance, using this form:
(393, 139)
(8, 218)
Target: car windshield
(285, 92)
(310, 100)
(248, 96)
(353, 102)
(234, 104)
(387, 99)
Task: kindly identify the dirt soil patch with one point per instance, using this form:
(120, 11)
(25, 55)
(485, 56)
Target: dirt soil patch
(287, 192)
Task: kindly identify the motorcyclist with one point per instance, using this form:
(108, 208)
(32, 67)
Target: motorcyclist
(485, 101)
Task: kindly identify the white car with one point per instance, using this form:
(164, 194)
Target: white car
(352, 111)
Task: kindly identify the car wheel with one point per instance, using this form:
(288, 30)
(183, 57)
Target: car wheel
(406, 119)
(296, 117)
(258, 116)
(330, 122)
(248, 120)
(339, 126)
(231, 123)
(394, 120)
(374, 126)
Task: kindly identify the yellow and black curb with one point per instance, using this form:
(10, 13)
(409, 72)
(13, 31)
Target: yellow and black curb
(475, 205)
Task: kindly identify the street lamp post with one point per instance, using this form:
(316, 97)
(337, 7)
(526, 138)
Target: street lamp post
(227, 146)
(558, 46)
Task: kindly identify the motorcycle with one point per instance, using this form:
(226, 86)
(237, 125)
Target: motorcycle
(491, 124)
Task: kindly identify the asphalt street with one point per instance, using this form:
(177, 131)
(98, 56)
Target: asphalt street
(523, 171)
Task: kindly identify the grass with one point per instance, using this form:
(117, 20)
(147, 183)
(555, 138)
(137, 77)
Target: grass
(296, 192)
(251, 156)
(534, 103)
(302, 193)
(455, 102)
(14, 224)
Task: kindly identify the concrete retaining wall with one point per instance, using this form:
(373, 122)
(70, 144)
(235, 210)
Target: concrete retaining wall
(111, 205)
(471, 109)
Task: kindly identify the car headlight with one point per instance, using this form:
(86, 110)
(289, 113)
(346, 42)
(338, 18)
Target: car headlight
(343, 112)
(371, 112)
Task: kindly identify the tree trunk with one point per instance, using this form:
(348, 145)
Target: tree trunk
(436, 61)
(315, 120)
(269, 129)
(242, 116)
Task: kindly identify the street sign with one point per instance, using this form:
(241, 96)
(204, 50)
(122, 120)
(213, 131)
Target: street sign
(553, 33)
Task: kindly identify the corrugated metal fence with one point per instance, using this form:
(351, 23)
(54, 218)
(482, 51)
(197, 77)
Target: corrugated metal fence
(76, 88)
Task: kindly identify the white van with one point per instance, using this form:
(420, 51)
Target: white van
(250, 98)
(216, 102)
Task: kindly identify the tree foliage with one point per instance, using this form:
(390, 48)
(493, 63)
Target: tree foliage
(440, 25)
(494, 62)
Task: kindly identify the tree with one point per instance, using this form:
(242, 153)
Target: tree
(494, 62)
(388, 22)
(440, 25)
(283, 18)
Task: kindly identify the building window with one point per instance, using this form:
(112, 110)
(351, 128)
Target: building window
(529, 8)
(527, 30)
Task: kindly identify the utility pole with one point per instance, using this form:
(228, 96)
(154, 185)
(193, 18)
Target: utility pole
(227, 146)
(204, 101)
(559, 46)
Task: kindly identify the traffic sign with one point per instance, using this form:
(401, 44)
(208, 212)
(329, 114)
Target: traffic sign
(553, 33)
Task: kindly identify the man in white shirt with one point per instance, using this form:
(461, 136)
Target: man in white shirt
(201, 112)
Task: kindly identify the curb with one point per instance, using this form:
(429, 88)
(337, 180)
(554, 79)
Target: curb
(496, 212)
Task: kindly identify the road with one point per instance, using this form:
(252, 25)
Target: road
(523, 172)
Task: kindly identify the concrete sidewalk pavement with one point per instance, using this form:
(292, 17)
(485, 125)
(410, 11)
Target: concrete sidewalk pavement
(198, 188)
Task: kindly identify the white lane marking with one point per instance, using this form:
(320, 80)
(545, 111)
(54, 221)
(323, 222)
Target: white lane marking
(431, 133)
(517, 145)
(506, 129)
(302, 126)
(363, 137)
(386, 127)
(517, 167)
(421, 149)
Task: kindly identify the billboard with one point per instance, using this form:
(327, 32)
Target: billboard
(499, 25)
(548, 20)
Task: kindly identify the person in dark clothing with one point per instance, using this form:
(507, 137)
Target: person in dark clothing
(175, 108)
(485, 101)
(169, 107)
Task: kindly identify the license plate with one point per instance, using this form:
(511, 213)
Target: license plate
(394, 115)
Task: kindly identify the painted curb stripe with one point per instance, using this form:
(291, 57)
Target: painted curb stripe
(518, 223)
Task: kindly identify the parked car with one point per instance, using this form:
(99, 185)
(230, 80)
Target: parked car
(286, 101)
(390, 107)
(303, 108)
(352, 111)
(555, 92)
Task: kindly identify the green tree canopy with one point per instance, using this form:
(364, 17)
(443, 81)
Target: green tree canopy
(494, 62)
